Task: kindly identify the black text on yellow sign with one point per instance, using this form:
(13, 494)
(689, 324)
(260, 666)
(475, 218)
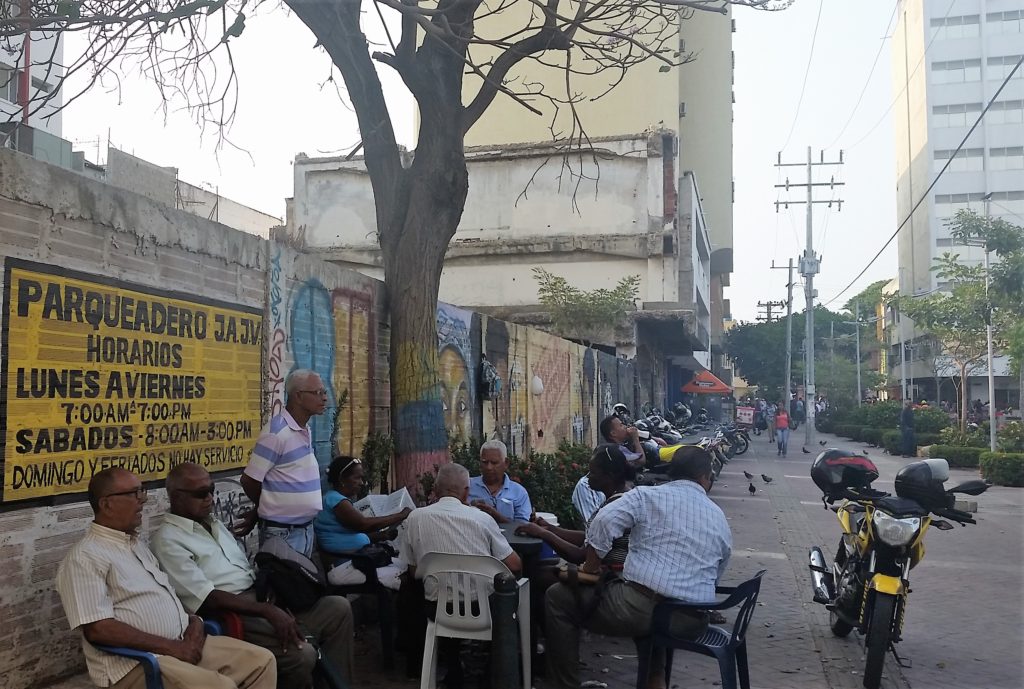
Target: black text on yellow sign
(102, 373)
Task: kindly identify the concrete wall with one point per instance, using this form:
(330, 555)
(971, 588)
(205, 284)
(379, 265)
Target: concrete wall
(300, 311)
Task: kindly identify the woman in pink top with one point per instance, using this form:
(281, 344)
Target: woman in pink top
(782, 428)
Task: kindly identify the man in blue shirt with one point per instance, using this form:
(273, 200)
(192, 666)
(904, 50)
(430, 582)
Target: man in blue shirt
(494, 492)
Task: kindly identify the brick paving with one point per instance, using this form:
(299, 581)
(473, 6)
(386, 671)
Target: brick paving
(964, 621)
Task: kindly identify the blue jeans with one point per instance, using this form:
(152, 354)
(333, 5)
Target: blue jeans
(300, 538)
(783, 435)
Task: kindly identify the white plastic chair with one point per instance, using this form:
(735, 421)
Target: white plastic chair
(464, 583)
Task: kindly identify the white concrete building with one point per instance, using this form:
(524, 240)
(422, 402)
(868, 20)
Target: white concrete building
(949, 59)
(626, 217)
(47, 57)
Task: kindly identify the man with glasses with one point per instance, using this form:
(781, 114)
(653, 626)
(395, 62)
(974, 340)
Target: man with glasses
(283, 476)
(113, 591)
(211, 575)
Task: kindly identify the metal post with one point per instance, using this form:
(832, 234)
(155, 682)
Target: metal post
(789, 333)
(811, 269)
(903, 346)
(856, 318)
(505, 633)
(991, 358)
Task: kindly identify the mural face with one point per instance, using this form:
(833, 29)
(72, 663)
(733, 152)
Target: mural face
(458, 361)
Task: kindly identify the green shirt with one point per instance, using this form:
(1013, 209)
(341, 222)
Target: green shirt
(198, 561)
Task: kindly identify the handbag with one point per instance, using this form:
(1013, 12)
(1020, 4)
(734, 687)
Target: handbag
(371, 557)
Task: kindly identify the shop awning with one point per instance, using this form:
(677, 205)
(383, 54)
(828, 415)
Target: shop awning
(706, 383)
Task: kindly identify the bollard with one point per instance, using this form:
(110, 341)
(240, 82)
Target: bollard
(505, 633)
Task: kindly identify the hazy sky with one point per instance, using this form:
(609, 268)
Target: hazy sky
(286, 106)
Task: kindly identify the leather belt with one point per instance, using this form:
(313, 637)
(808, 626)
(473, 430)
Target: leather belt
(656, 597)
(282, 525)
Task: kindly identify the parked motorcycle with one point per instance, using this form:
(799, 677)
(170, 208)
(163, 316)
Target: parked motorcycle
(866, 586)
(738, 438)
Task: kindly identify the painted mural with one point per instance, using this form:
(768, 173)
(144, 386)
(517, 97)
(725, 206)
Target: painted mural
(458, 363)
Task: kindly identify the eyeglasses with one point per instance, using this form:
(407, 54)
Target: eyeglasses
(139, 493)
(199, 493)
(321, 392)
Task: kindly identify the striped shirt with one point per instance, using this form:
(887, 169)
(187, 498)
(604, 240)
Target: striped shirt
(585, 499)
(679, 543)
(449, 526)
(283, 461)
(198, 561)
(112, 575)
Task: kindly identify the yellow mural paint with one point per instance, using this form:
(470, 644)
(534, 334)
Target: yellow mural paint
(99, 373)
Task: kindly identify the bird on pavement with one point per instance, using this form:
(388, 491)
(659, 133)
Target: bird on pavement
(821, 442)
(766, 478)
(805, 450)
(866, 452)
(752, 489)
(748, 474)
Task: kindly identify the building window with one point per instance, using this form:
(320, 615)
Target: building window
(1006, 112)
(957, 71)
(1000, 67)
(1009, 158)
(947, 205)
(956, 115)
(1010, 21)
(1007, 202)
(967, 160)
(967, 26)
(8, 83)
(944, 242)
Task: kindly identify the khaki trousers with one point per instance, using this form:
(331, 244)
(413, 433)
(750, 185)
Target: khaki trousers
(226, 664)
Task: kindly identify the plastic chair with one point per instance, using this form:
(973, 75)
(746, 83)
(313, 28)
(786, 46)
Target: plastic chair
(730, 649)
(464, 583)
(149, 662)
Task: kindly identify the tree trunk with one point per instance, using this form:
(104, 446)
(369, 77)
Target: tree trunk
(963, 398)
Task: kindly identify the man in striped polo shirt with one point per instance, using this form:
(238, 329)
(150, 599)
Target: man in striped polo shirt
(283, 476)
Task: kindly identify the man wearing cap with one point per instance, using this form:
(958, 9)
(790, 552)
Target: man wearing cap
(679, 546)
(283, 475)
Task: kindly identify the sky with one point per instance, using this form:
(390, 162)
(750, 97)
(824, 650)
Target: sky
(287, 106)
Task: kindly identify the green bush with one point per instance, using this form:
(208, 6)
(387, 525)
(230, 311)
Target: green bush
(972, 438)
(847, 430)
(871, 436)
(957, 456)
(930, 420)
(879, 415)
(892, 441)
(1003, 468)
(1010, 438)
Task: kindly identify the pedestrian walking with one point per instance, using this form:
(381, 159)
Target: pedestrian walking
(782, 429)
(907, 430)
(770, 413)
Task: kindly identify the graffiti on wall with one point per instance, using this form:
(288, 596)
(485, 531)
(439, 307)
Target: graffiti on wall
(277, 339)
(457, 364)
(100, 373)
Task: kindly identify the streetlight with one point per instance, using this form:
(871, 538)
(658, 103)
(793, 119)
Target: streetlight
(858, 322)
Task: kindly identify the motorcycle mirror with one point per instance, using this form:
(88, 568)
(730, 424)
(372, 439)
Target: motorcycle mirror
(942, 525)
(973, 487)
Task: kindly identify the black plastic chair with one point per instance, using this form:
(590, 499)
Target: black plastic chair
(730, 649)
(149, 662)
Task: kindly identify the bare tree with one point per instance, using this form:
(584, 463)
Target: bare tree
(184, 47)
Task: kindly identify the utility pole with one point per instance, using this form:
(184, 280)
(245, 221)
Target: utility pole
(810, 265)
(789, 328)
(768, 307)
(856, 319)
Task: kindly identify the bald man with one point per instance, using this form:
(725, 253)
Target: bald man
(114, 592)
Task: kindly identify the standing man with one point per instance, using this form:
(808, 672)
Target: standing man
(679, 546)
(494, 492)
(211, 575)
(907, 430)
(113, 591)
(283, 476)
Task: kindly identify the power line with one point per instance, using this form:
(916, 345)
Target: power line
(897, 98)
(810, 57)
(938, 176)
(867, 82)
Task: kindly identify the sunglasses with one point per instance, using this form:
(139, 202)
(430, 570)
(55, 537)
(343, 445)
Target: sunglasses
(199, 493)
(355, 460)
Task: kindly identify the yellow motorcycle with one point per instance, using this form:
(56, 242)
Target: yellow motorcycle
(883, 539)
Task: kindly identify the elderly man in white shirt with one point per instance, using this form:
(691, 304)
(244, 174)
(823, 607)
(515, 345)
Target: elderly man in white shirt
(680, 544)
(211, 575)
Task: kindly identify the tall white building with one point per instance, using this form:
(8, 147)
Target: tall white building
(949, 58)
(46, 53)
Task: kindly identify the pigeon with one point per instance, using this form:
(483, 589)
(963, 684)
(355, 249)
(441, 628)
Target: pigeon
(752, 489)
(766, 478)
(866, 452)
(805, 450)
(821, 442)
(748, 474)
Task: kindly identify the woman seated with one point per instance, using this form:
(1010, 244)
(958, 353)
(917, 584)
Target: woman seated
(342, 531)
(611, 474)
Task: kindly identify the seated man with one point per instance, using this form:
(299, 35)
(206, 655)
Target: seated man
(113, 591)
(614, 431)
(679, 547)
(447, 526)
(585, 499)
(211, 575)
(494, 492)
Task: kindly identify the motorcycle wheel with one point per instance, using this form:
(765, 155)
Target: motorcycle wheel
(742, 444)
(838, 625)
(883, 614)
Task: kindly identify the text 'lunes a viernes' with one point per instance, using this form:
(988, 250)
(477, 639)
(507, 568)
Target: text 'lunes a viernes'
(105, 373)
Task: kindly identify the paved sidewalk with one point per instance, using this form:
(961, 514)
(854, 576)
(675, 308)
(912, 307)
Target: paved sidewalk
(964, 619)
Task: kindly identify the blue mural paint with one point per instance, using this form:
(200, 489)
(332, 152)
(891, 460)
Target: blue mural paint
(312, 339)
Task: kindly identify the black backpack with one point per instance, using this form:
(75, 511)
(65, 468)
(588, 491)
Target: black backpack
(287, 578)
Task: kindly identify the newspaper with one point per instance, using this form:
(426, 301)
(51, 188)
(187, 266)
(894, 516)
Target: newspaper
(384, 505)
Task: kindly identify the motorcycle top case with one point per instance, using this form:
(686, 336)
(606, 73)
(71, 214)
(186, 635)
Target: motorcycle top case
(834, 471)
